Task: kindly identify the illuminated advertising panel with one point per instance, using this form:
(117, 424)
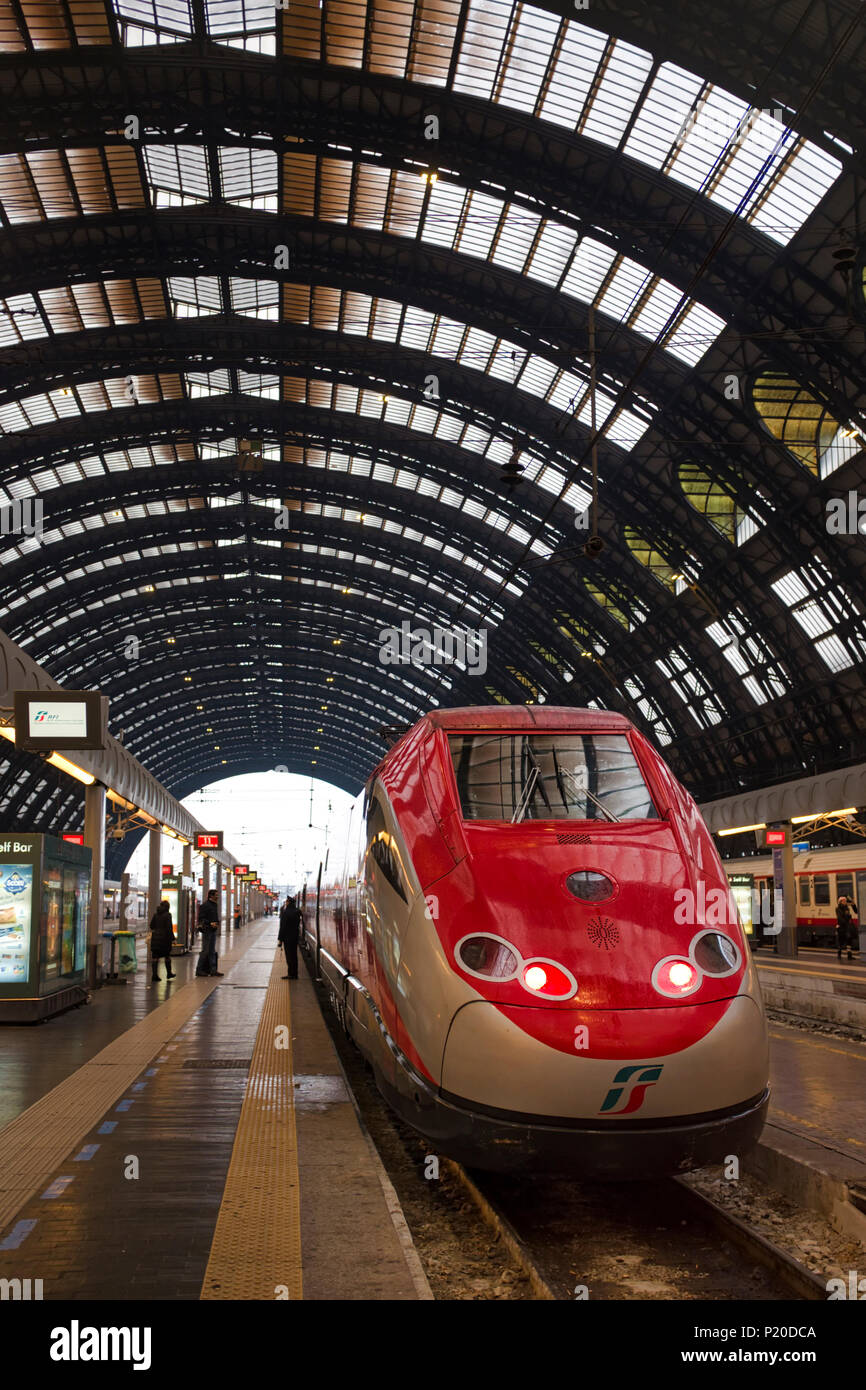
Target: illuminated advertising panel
(16, 909)
(741, 889)
(73, 839)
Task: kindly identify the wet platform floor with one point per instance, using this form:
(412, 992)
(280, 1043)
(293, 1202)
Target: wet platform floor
(131, 1212)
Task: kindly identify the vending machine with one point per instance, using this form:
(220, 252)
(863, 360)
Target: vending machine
(44, 902)
(178, 890)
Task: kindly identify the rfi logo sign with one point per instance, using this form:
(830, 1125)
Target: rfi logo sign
(638, 1085)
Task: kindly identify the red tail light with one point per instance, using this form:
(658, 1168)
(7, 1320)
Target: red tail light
(546, 978)
(676, 977)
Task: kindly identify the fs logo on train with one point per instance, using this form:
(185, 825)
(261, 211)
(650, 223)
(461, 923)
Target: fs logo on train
(633, 1083)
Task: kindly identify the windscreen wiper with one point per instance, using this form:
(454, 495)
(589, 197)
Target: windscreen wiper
(584, 791)
(525, 796)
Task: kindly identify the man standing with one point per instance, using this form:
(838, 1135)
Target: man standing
(290, 926)
(209, 920)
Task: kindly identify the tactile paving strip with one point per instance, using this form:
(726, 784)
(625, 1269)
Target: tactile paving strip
(256, 1250)
(36, 1142)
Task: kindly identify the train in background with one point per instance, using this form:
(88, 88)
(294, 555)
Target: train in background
(500, 941)
(111, 906)
(821, 877)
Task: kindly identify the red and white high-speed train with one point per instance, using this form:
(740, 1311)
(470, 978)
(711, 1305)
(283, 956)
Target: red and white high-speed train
(520, 943)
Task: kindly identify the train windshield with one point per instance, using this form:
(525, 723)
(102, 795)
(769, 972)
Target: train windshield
(517, 777)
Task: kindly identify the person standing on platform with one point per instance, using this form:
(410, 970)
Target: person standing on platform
(237, 916)
(847, 933)
(209, 920)
(290, 926)
(161, 941)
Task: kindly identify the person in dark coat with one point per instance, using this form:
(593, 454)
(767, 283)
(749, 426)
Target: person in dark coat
(847, 933)
(290, 926)
(208, 922)
(161, 941)
(237, 917)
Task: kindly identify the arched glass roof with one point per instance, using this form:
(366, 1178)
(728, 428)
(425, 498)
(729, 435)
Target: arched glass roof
(287, 295)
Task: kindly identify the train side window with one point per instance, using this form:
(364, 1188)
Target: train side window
(822, 890)
(805, 896)
(382, 849)
(844, 886)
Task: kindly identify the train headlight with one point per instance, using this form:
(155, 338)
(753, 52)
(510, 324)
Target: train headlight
(675, 977)
(590, 886)
(488, 957)
(548, 979)
(715, 954)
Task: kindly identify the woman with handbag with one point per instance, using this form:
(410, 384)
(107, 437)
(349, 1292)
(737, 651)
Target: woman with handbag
(161, 941)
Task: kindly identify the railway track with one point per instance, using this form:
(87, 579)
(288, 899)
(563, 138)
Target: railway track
(659, 1240)
(482, 1235)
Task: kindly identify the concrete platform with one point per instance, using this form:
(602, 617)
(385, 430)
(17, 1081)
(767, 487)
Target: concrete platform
(813, 1148)
(815, 985)
(119, 1142)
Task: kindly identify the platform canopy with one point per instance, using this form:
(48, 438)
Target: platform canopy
(285, 295)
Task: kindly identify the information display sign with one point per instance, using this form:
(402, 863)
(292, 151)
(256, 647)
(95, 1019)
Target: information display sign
(46, 720)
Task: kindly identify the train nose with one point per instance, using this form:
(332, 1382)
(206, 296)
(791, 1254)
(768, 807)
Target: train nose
(698, 1071)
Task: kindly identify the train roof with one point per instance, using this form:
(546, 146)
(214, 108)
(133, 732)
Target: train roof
(517, 717)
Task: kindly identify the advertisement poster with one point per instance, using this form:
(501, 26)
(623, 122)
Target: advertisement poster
(71, 919)
(16, 903)
(82, 904)
(51, 909)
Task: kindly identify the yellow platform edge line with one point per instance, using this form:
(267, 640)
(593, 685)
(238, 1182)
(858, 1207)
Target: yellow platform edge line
(256, 1247)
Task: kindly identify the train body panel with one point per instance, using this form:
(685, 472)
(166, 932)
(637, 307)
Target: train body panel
(544, 1082)
(522, 927)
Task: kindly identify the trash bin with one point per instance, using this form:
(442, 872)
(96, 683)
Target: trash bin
(107, 940)
(126, 960)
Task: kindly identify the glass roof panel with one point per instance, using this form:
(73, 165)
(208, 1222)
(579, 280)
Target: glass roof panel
(177, 175)
(575, 66)
(530, 42)
(614, 98)
(248, 177)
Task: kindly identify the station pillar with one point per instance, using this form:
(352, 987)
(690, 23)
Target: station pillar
(219, 887)
(154, 871)
(205, 877)
(230, 883)
(187, 861)
(784, 893)
(94, 838)
(123, 911)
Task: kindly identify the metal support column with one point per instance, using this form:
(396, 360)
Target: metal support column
(784, 894)
(94, 838)
(154, 872)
